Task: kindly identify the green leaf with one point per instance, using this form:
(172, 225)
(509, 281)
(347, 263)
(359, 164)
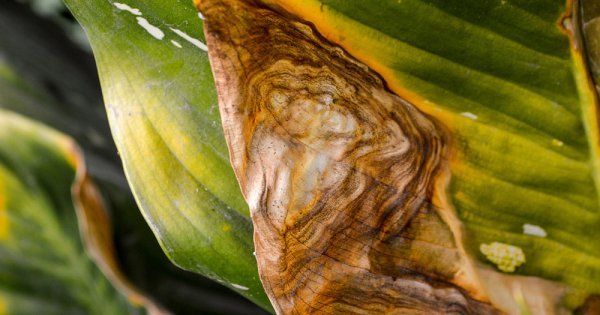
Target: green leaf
(163, 112)
(146, 266)
(509, 83)
(43, 266)
(64, 93)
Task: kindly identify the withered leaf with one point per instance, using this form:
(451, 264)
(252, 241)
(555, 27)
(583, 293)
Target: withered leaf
(340, 174)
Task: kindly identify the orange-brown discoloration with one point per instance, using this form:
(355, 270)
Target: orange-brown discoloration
(339, 173)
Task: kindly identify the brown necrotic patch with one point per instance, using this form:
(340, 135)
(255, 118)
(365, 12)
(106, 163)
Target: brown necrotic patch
(339, 173)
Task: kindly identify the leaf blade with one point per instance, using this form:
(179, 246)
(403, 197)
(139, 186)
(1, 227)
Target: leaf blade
(168, 131)
(517, 102)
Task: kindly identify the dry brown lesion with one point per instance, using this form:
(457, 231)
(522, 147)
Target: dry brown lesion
(339, 173)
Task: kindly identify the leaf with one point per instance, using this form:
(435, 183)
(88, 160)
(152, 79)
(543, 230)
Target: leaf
(43, 267)
(339, 173)
(509, 83)
(505, 83)
(162, 108)
(46, 92)
(147, 267)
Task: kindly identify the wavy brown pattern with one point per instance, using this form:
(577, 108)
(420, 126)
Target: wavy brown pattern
(339, 173)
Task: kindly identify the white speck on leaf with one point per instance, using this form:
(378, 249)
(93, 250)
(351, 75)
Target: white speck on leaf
(124, 7)
(153, 30)
(469, 115)
(239, 287)
(190, 39)
(535, 230)
(176, 43)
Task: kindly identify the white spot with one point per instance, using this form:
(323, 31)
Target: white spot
(153, 30)
(557, 142)
(239, 287)
(254, 253)
(200, 16)
(534, 230)
(190, 39)
(124, 7)
(176, 43)
(469, 115)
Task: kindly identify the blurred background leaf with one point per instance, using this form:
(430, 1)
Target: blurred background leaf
(43, 267)
(48, 77)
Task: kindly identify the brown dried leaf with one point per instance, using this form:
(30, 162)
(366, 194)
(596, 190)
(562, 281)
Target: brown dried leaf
(340, 174)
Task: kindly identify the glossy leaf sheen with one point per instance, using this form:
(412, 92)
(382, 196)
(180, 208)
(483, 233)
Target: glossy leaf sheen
(162, 108)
